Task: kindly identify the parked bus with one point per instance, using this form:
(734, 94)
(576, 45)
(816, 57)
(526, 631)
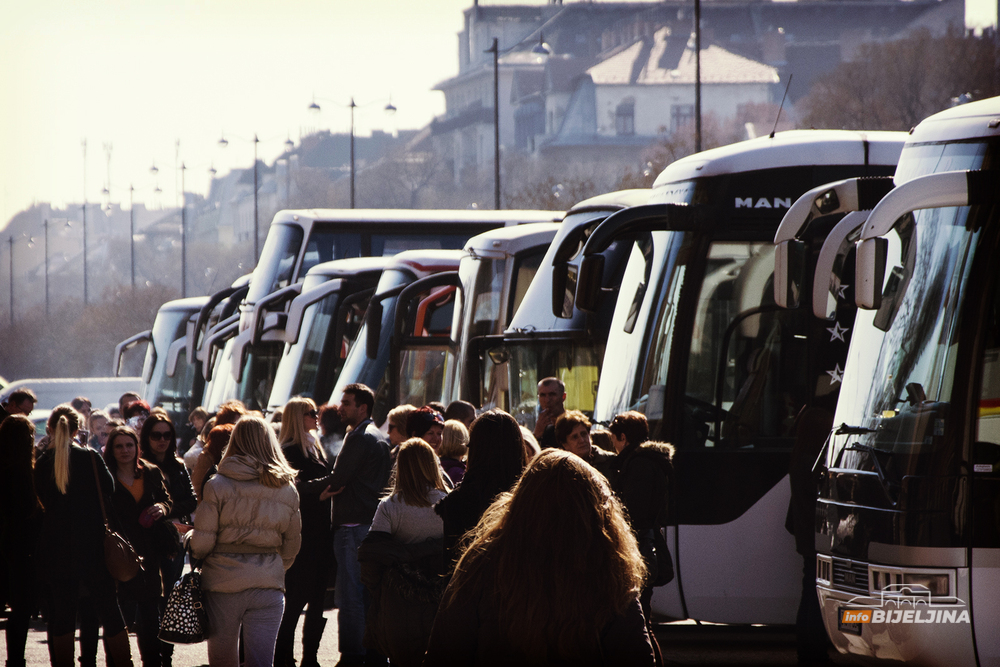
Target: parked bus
(299, 240)
(493, 275)
(415, 296)
(698, 345)
(321, 325)
(172, 374)
(548, 335)
(908, 517)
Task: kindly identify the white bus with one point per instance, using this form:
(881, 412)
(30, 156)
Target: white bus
(909, 495)
(699, 346)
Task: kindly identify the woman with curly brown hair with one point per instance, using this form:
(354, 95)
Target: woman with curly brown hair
(551, 576)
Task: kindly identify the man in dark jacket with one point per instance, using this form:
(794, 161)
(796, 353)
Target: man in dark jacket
(359, 478)
(640, 476)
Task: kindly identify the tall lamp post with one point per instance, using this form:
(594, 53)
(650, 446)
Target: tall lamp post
(184, 231)
(389, 109)
(131, 232)
(45, 224)
(697, 76)
(85, 290)
(256, 223)
(10, 244)
(495, 50)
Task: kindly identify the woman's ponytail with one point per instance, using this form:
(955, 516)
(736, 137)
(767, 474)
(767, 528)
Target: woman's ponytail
(62, 426)
(60, 442)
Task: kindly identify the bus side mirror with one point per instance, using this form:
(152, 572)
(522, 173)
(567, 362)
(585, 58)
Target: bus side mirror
(588, 288)
(373, 325)
(789, 272)
(870, 272)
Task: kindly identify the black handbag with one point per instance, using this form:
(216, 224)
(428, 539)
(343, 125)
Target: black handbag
(120, 557)
(185, 620)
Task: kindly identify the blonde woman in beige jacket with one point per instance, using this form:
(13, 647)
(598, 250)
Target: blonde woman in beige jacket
(248, 531)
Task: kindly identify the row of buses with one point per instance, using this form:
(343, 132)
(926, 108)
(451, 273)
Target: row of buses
(833, 272)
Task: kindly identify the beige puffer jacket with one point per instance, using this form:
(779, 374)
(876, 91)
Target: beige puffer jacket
(248, 533)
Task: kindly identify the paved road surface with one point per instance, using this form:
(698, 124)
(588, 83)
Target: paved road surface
(683, 643)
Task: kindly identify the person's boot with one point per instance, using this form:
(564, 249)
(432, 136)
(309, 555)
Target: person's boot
(118, 650)
(61, 650)
(312, 635)
(14, 663)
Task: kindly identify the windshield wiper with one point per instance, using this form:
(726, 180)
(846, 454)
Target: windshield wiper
(886, 484)
(844, 429)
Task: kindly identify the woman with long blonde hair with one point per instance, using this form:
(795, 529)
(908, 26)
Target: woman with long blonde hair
(552, 574)
(306, 580)
(248, 530)
(72, 481)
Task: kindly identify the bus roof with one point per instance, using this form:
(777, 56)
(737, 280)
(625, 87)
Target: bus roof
(617, 200)
(403, 216)
(192, 304)
(967, 121)
(427, 261)
(513, 239)
(788, 149)
(349, 266)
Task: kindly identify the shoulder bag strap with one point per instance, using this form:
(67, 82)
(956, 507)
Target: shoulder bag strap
(100, 490)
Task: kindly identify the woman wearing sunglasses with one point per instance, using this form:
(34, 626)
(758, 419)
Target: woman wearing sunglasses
(142, 503)
(158, 445)
(305, 581)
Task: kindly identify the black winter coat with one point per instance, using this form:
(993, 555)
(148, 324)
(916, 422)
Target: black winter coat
(315, 512)
(151, 543)
(178, 480)
(71, 541)
(406, 582)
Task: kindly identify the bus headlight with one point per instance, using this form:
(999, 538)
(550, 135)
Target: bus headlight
(937, 584)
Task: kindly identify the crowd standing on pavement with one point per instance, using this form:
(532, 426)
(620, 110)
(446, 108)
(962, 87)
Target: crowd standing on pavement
(452, 535)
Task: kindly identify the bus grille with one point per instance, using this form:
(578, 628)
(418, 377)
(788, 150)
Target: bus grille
(850, 575)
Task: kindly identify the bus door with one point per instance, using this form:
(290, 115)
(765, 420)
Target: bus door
(985, 561)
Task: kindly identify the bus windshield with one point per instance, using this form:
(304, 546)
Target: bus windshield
(171, 393)
(901, 367)
(277, 261)
(358, 366)
(902, 360)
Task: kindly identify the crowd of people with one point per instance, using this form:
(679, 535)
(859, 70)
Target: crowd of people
(453, 535)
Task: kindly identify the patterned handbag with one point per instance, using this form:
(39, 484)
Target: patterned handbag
(185, 620)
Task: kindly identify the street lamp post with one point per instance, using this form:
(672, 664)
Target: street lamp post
(495, 50)
(697, 76)
(184, 232)
(389, 109)
(131, 232)
(85, 291)
(45, 224)
(10, 244)
(256, 223)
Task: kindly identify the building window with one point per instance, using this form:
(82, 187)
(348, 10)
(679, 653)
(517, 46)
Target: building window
(680, 116)
(625, 117)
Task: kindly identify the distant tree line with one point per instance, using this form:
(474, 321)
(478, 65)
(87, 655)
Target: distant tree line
(895, 85)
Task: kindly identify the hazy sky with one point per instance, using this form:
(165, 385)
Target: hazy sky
(142, 74)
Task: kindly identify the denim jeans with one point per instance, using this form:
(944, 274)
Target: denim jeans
(258, 611)
(350, 594)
